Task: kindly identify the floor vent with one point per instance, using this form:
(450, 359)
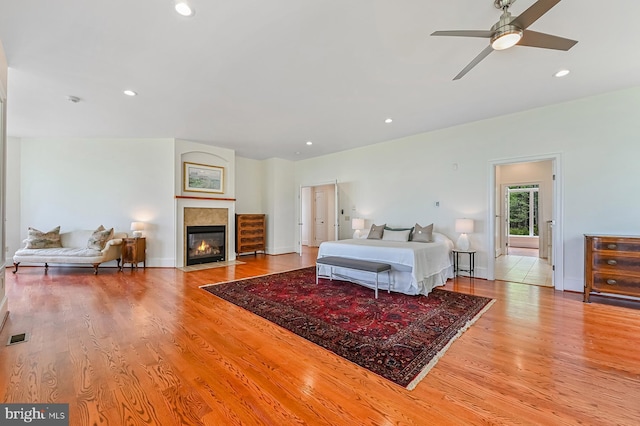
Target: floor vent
(18, 338)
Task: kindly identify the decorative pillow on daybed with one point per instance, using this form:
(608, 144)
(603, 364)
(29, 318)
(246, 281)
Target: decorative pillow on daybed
(99, 238)
(396, 235)
(376, 232)
(40, 240)
(422, 234)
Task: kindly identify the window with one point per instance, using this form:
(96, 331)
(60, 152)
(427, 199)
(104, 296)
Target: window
(523, 210)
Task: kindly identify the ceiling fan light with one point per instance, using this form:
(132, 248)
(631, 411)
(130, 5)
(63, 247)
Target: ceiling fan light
(506, 39)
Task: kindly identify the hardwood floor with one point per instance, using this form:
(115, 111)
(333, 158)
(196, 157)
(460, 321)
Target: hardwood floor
(148, 347)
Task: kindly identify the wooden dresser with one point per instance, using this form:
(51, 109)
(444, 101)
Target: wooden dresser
(611, 265)
(250, 233)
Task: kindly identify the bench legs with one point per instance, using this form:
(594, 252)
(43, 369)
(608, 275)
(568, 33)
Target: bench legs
(330, 277)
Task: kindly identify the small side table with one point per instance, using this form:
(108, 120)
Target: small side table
(456, 262)
(134, 251)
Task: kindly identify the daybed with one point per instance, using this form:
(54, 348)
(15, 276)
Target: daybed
(75, 247)
(416, 267)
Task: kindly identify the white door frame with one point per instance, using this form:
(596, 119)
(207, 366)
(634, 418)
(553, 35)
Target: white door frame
(336, 207)
(557, 255)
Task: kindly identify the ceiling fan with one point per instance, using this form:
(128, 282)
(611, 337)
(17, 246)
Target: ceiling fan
(509, 31)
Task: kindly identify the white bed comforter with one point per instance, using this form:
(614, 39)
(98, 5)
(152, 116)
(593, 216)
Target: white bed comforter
(416, 267)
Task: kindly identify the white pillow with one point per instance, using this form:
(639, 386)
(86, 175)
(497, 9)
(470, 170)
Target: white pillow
(396, 235)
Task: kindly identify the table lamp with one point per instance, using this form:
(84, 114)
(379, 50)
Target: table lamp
(137, 228)
(357, 224)
(464, 226)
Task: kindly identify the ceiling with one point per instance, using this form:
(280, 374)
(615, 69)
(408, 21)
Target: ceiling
(264, 77)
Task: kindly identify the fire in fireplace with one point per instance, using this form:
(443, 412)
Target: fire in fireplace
(205, 244)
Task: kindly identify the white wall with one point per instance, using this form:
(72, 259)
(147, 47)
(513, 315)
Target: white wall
(13, 232)
(398, 182)
(249, 186)
(280, 205)
(81, 184)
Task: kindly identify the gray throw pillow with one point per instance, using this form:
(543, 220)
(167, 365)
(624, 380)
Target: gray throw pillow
(422, 234)
(376, 232)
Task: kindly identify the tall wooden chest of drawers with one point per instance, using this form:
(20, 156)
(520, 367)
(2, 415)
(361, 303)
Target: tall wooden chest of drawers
(250, 233)
(611, 265)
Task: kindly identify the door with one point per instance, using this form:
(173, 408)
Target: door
(507, 224)
(320, 217)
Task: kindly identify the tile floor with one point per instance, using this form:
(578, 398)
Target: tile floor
(523, 266)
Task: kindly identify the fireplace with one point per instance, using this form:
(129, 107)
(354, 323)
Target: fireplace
(205, 244)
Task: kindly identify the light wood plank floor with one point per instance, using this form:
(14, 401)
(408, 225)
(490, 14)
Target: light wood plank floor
(148, 347)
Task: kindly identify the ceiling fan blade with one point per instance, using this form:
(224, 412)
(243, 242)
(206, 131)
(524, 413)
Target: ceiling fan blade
(475, 62)
(464, 33)
(534, 12)
(545, 41)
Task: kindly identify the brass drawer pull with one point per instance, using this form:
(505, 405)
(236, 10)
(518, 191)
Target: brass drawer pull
(612, 262)
(612, 246)
(612, 282)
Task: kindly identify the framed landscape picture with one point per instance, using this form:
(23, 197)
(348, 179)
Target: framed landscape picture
(203, 178)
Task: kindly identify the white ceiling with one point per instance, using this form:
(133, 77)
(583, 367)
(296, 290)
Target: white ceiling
(263, 77)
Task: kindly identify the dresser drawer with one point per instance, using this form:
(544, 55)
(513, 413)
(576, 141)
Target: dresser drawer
(616, 262)
(250, 231)
(616, 244)
(619, 284)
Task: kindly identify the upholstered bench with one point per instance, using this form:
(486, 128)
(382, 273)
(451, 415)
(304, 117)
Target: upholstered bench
(375, 268)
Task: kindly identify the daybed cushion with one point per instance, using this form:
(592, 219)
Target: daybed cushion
(42, 240)
(99, 238)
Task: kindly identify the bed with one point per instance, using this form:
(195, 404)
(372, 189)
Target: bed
(416, 267)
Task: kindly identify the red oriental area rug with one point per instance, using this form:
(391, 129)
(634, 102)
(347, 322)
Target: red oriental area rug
(396, 336)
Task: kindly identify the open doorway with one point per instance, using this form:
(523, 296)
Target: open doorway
(525, 211)
(318, 215)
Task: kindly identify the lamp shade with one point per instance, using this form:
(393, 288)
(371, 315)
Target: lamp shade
(464, 226)
(137, 228)
(357, 224)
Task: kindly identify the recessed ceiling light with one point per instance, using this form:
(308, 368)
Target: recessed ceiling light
(130, 93)
(562, 73)
(388, 120)
(309, 143)
(183, 8)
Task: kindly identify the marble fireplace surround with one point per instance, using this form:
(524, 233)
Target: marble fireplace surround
(204, 211)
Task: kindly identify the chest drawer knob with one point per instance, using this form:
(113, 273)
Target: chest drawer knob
(612, 262)
(612, 282)
(612, 246)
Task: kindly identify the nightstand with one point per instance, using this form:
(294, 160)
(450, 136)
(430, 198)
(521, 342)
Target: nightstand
(456, 262)
(134, 251)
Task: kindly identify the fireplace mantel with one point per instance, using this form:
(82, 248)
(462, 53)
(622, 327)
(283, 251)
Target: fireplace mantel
(188, 197)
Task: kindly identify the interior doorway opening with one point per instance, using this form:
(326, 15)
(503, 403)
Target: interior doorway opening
(318, 215)
(526, 204)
